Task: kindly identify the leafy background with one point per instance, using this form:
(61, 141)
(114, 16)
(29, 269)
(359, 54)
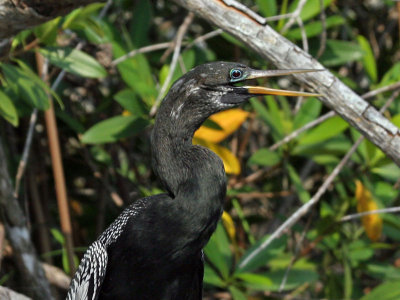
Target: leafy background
(103, 117)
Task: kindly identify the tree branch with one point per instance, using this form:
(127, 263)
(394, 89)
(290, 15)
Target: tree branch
(17, 15)
(14, 220)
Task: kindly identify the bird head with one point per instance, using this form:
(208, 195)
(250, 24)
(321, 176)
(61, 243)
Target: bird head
(217, 86)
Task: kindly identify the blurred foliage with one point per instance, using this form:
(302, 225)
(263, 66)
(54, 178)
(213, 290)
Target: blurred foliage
(103, 117)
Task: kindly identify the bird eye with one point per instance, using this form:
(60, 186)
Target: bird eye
(236, 74)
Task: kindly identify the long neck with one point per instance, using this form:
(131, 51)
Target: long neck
(182, 167)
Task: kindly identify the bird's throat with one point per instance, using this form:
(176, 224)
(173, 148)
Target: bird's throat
(183, 167)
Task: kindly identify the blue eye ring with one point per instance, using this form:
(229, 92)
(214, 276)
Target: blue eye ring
(235, 74)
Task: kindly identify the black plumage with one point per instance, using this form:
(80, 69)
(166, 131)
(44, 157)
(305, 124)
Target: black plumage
(153, 250)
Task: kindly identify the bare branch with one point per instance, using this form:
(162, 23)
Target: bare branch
(204, 37)
(179, 37)
(387, 88)
(19, 15)
(371, 212)
(299, 131)
(294, 16)
(139, 51)
(322, 45)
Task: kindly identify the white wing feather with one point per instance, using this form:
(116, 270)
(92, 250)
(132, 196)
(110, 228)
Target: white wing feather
(89, 277)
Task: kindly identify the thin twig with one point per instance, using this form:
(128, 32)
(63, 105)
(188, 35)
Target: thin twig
(139, 51)
(263, 194)
(277, 18)
(398, 14)
(370, 212)
(387, 88)
(96, 173)
(294, 16)
(203, 38)
(2, 240)
(304, 39)
(303, 34)
(322, 44)
(179, 37)
(397, 184)
(295, 256)
(29, 137)
(297, 132)
(105, 9)
(25, 154)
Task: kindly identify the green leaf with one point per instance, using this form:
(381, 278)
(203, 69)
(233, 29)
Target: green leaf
(315, 28)
(271, 116)
(348, 280)
(359, 251)
(368, 60)
(386, 291)
(211, 124)
(340, 52)
(383, 271)
(295, 179)
(73, 123)
(391, 76)
(38, 81)
(255, 281)
(29, 90)
(389, 171)
(211, 277)
(101, 155)
(113, 129)
(310, 9)
(396, 120)
(137, 74)
(296, 278)
(81, 15)
(328, 129)
(47, 32)
(59, 237)
(74, 61)
(264, 157)
(236, 293)
(391, 227)
(267, 7)
(20, 39)
(7, 109)
(141, 21)
(337, 145)
(261, 259)
(129, 101)
(218, 252)
(309, 111)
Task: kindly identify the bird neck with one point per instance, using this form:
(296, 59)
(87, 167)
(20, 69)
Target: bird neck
(184, 169)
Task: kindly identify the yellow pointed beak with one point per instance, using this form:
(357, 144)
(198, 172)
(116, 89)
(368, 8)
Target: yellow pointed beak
(259, 90)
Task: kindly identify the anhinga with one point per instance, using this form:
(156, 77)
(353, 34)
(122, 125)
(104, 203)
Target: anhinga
(153, 250)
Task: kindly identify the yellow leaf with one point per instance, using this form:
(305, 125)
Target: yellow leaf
(372, 223)
(229, 225)
(231, 163)
(229, 120)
